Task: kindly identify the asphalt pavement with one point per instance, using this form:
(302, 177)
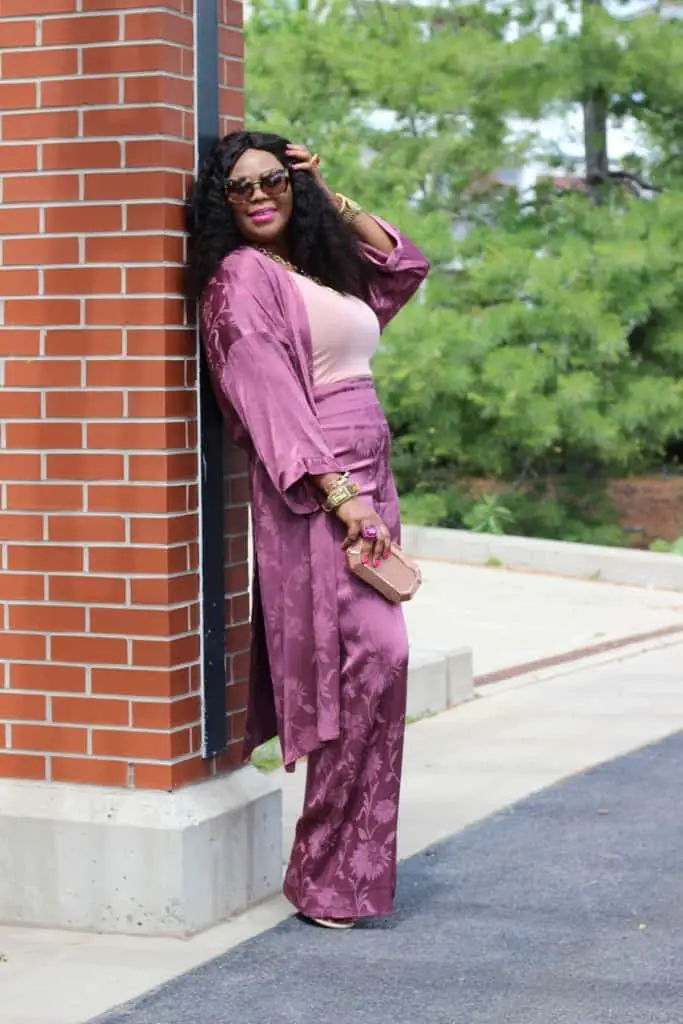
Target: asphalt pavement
(566, 908)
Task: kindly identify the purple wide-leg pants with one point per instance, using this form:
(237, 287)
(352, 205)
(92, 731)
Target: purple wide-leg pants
(343, 861)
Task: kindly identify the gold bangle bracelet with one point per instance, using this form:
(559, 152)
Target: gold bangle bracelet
(341, 479)
(340, 494)
(347, 209)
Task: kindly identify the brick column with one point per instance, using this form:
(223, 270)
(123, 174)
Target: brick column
(99, 528)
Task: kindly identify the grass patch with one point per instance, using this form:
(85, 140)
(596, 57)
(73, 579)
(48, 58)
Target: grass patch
(267, 757)
(494, 563)
(412, 719)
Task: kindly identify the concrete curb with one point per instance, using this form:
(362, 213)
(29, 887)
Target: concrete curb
(438, 681)
(585, 561)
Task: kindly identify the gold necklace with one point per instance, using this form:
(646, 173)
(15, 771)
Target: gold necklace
(288, 266)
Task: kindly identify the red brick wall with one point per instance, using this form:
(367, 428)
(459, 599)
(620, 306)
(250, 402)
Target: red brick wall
(99, 585)
(647, 507)
(650, 505)
(231, 65)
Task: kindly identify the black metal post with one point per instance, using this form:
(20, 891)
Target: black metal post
(212, 485)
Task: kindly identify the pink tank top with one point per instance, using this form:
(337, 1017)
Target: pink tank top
(344, 333)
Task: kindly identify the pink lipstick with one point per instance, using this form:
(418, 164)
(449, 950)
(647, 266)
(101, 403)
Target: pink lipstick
(262, 216)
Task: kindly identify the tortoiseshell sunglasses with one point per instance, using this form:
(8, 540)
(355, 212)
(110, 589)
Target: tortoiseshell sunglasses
(272, 183)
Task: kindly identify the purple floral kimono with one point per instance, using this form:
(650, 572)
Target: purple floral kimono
(257, 338)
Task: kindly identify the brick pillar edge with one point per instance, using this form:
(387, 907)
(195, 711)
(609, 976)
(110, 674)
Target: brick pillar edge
(100, 669)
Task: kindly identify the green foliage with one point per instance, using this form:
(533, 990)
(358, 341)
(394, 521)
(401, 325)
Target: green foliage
(489, 515)
(548, 343)
(423, 509)
(666, 548)
(572, 510)
(267, 757)
(535, 361)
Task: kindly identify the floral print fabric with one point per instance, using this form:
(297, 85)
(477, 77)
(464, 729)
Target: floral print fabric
(258, 347)
(343, 861)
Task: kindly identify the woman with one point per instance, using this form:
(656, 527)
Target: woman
(295, 284)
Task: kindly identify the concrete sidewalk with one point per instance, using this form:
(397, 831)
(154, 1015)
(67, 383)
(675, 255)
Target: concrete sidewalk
(515, 739)
(518, 737)
(564, 910)
(510, 618)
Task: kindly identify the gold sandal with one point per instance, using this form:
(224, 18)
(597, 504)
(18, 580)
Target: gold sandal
(336, 924)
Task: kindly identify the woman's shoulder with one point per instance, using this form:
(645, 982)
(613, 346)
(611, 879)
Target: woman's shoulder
(246, 283)
(247, 266)
(245, 255)
(241, 273)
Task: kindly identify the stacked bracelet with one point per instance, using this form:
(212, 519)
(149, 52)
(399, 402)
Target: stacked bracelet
(340, 492)
(346, 208)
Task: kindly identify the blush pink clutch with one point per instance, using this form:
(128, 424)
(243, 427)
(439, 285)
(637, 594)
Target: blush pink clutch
(397, 578)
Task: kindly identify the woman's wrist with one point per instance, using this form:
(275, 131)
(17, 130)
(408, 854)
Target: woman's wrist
(341, 492)
(337, 488)
(345, 207)
(331, 195)
(327, 481)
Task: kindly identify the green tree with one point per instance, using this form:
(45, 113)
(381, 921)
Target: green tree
(549, 342)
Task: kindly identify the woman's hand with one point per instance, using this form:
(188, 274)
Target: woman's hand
(362, 522)
(304, 160)
(366, 227)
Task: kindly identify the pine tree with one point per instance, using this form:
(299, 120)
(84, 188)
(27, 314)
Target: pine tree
(548, 344)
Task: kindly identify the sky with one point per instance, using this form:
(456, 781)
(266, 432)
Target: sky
(566, 132)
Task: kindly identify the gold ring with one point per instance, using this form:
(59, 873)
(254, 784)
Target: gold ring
(315, 160)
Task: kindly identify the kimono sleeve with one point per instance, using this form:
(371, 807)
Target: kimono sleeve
(401, 272)
(252, 372)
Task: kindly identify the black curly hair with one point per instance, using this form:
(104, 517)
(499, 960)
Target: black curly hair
(320, 243)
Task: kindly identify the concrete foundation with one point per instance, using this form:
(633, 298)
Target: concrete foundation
(138, 862)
